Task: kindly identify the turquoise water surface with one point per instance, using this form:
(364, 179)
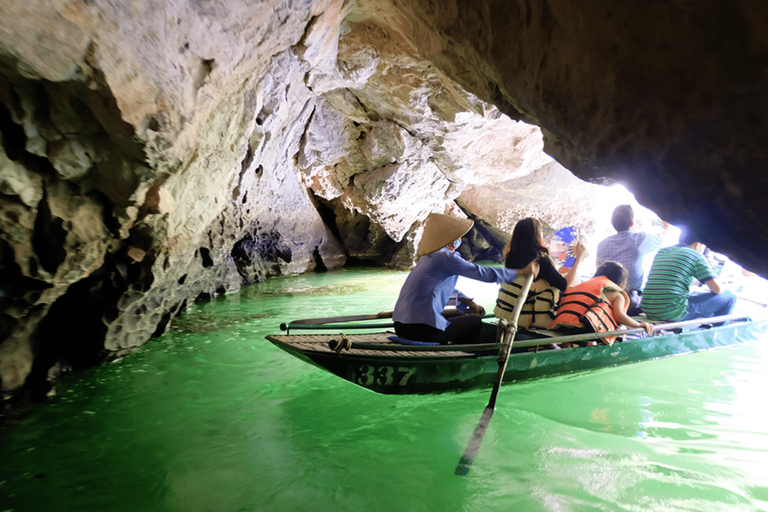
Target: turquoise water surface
(212, 417)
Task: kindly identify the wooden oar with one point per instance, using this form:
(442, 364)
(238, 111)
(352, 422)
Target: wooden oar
(509, 335)
(312, 323)
(337, 319)
(335, 327)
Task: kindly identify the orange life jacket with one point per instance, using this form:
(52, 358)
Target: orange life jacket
(586, 303)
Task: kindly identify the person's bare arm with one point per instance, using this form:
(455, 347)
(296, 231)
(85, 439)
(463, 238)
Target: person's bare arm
(714, 285)
(473, 308)
(572, 274)
(617, 301)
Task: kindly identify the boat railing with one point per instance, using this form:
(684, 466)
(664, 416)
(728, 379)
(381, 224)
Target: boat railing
(547, 340)
(669, 326)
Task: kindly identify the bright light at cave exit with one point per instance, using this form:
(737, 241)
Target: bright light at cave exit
(612, 196)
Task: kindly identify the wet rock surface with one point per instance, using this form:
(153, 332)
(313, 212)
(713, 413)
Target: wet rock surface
(158, 153)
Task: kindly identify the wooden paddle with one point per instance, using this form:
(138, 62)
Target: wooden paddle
(352, 318)
(338, 319)
(509, 335)
(309, 323)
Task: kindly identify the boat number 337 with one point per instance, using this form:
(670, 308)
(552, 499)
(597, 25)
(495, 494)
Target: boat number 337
(383, 375)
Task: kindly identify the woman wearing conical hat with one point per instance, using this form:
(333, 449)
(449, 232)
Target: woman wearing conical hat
(418, 311)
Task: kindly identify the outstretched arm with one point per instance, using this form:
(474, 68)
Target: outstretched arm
(473, 308)
(579, 250)
(617, 302)
(714, 285)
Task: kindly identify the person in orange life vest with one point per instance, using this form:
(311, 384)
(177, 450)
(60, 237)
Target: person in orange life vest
(527, 245)
(598, 305)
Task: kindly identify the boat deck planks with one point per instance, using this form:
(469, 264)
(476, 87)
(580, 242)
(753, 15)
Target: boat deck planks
(319, 343)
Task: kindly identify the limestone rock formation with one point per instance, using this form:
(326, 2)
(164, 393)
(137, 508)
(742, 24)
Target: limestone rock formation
(668, 98)
(156, 152)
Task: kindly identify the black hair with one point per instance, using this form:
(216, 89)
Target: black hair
(623, 217)
(614, 271)
(688, 236)
(525, 245)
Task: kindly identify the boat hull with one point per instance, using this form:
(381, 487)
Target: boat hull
(408, 373)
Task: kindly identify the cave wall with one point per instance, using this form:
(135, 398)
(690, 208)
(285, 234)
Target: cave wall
(153, 153)
(666, 97)
(159, 153)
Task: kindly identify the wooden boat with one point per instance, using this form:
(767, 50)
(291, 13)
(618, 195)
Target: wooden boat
(375, 362)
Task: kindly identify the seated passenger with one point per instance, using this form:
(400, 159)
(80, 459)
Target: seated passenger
(418, 313)
(667, 295)
(525, 246)
(629, 248)
(597, 305)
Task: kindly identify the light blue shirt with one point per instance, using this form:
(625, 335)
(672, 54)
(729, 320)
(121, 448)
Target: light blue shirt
(432, 281)
(629, 249)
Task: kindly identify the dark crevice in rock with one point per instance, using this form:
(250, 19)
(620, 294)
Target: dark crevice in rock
(162, 325)
(14, 144)
(203, 297)
(17, 291)
(205, 256)
(327, 214)
(357, 262)
(241, 255)
(110, 221)
(72, 332)
(498, 99)
(373, 115)
(13, 138)
(270, 248)
(49, 237)
(303, 138)
(318, 259)
(300, 47)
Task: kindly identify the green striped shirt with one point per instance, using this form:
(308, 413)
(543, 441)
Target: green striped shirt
(665, 296)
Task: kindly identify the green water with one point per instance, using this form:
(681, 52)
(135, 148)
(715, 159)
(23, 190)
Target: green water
(212, 417)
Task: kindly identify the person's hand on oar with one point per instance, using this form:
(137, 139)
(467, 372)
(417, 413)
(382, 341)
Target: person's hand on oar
(531, 269)
(473, 308)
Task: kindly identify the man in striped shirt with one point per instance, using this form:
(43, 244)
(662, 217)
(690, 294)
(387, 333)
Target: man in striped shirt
(667, 295)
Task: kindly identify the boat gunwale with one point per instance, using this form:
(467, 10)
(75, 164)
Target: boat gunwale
(395, 350)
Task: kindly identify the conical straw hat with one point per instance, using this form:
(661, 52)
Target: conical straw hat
(442, 230)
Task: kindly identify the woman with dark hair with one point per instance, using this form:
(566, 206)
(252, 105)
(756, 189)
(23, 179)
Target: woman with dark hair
(525, 246)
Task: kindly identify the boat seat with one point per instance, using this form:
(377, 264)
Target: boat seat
(406, 341)
(540, 333)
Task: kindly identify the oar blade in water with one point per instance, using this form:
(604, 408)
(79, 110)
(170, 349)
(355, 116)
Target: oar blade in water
(474, 444)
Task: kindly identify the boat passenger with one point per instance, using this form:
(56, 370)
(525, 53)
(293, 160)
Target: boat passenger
(418, 313)
(667, 296)
(597, 305)
(525, 246)
(629, 248)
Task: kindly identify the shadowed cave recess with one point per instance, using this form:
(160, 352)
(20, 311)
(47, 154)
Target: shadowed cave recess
(168, 153)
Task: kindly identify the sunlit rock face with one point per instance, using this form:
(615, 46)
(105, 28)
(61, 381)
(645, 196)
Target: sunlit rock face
(156, 152)
(667, 97)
